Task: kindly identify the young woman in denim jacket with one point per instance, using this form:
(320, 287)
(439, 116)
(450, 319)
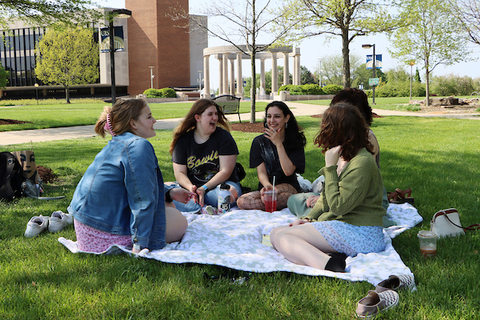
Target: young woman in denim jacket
(120, 198)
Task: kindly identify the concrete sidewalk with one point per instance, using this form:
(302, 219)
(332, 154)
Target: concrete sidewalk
(298, 109)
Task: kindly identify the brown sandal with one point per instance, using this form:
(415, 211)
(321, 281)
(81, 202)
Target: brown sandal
(401, 196)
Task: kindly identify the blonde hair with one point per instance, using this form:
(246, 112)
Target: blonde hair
(189, 122)
(120, 115)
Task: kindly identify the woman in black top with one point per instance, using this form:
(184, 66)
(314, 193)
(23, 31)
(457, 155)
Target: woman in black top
(279, 153)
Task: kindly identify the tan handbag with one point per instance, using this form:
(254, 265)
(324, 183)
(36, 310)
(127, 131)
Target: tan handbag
(446, 223)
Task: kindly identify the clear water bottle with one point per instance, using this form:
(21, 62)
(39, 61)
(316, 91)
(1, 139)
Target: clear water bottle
(224, 198)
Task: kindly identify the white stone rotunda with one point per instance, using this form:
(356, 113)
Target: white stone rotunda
(228, 55)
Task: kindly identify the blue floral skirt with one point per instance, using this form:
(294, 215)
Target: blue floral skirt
(351, 239)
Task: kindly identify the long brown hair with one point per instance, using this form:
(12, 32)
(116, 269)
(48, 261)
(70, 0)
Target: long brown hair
(120, 115)
(343, 125)
(358, 98)
(293, 132)
(189, 123)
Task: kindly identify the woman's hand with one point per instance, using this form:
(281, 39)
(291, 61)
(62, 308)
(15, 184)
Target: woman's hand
(201, 195)
(182, 195)
(262, 191)
(274, 136)
(298, 222)
(332, 155)
(312, 201)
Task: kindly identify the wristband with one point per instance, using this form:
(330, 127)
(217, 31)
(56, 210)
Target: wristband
(168, 197)
(205, 187)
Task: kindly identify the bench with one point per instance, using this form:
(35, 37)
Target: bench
(230, 104)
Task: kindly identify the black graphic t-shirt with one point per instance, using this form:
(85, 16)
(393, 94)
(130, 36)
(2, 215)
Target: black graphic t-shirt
(202, 160)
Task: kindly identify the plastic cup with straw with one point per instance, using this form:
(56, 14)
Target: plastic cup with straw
(270, 197)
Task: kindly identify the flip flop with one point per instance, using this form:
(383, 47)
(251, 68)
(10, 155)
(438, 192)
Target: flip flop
(400, 196)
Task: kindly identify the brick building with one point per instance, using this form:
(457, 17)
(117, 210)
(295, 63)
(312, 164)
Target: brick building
(147, 43)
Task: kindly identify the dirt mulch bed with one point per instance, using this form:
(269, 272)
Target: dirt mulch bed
(374, 115)
(10, 121)
(248, 127)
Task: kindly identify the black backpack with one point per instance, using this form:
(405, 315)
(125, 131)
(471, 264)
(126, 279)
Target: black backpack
(11, 176)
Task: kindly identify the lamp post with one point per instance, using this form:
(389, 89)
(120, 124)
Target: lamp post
(36, 92)
(151, 76)
(374, 65)
(117, 13)
(320, 72)
(199, 80)
(411, 63)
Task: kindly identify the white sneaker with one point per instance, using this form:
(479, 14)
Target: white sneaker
(59, 220)
(35, 226)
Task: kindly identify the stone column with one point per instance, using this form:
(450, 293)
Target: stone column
(206, 75)
(286, 78)
(232, 77)
(225, 74)
(220, 74)
(239, 76)
(274, 73)
(298, 69)
(262, 77)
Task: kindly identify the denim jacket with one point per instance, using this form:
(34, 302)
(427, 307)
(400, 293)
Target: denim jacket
(122, 192)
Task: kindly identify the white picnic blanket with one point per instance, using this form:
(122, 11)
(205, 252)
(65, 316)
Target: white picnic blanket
(234, 240)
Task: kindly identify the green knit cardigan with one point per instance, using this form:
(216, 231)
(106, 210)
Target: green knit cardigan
(354, 197)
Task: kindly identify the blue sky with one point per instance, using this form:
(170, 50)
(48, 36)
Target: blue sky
(315, 48)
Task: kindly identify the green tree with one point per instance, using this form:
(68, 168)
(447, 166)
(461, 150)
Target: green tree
(340, 18)
(431, 37)
(361, 75)
(66, 57)
(468, 13)
(452, 85)
(50, 12)
(332, 69)
(3, 77)
(416, 77)
(249, 19)
(306, 77)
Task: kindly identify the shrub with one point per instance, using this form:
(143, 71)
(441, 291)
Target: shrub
(303, 89)
(285, 88)
(332, 88)
(168, 93)
(399, 89)
(312, 89)
(160, 93)
(296, 90)
(152, 93)
(452, 85)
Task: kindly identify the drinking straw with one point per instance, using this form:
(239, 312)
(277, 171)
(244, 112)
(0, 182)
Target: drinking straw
(273, 183)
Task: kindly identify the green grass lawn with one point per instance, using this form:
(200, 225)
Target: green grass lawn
(52, 113)
(396, 103)
(437, 158)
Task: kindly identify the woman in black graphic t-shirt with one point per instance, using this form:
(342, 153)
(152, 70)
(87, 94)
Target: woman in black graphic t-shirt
(204, 155)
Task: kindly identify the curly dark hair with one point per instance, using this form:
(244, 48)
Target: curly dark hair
(343, 125)
(358, 98)
(293, 132)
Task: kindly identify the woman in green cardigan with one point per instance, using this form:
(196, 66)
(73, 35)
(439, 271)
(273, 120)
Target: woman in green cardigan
(347, 218)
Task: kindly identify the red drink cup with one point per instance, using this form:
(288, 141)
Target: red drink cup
(270, 198)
